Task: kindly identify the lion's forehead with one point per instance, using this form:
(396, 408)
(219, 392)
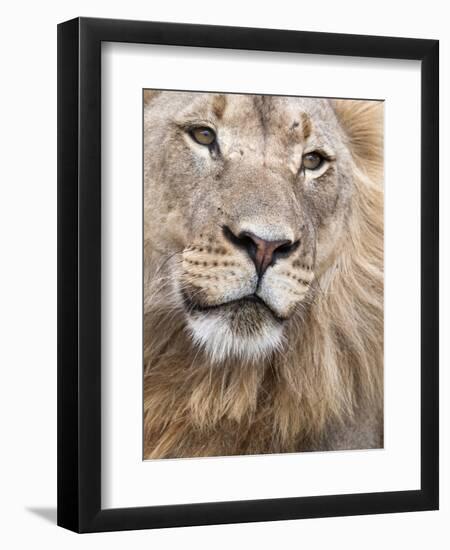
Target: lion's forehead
(262, 124)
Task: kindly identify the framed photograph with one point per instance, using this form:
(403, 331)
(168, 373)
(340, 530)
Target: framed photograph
(247, 276)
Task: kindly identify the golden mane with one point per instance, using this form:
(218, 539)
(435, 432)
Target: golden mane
(330, 372)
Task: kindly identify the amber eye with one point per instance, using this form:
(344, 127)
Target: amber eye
(203, 135)
(312, 161)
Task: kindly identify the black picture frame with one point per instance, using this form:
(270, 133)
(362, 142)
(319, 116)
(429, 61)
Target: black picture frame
(79, 270)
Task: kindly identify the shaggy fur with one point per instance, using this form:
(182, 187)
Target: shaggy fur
(320, 385)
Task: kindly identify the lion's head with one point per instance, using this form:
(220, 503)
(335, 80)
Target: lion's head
(257, 209)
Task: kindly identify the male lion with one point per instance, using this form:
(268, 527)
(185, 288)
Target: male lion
(263, 278)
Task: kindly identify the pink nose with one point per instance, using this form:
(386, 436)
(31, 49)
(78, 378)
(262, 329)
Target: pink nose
(263, 253)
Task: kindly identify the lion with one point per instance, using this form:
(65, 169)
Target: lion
(263, 274)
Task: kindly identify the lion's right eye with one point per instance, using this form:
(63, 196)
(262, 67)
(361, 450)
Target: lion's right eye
(312, 161)
(203, 135)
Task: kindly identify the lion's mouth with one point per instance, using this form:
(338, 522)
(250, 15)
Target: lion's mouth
(250, 301)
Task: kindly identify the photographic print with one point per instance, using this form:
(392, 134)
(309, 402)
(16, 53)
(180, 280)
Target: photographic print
(263, 274)
(233, 312)
(223, 324)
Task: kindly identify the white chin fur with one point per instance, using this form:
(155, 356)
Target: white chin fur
(213, 334)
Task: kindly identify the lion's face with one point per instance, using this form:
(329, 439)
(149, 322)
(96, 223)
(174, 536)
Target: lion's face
(246, 200)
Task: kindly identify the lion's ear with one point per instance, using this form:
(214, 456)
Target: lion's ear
(149, 95)
(363, 123)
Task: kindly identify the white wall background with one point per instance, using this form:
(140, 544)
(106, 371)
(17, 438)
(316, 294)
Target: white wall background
(28, 274)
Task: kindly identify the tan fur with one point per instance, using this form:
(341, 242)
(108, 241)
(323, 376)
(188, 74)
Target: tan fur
(324, 388)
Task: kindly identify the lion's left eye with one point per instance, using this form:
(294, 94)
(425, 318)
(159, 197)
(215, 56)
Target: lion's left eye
(312, 161)
(203, 135)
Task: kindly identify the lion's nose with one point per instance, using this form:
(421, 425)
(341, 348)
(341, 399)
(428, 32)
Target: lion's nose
(263, 252)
